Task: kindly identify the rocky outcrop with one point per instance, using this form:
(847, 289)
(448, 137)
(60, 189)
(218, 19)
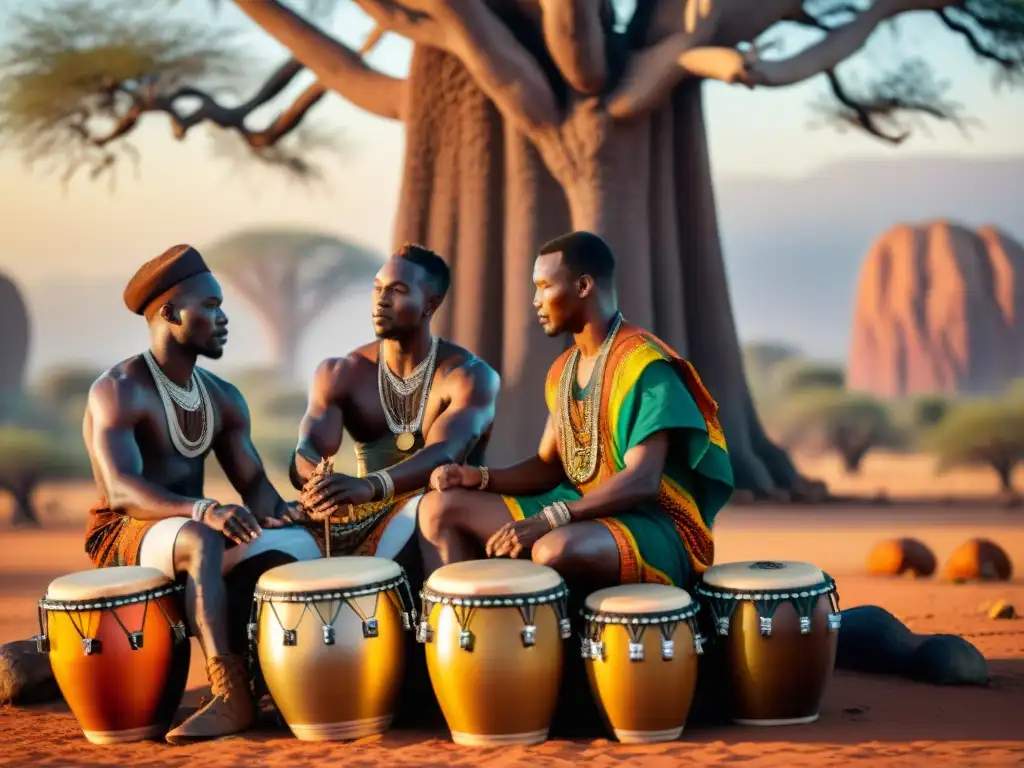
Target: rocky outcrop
(14, 338)
(899, 557)
(978, 560)
(939, 308)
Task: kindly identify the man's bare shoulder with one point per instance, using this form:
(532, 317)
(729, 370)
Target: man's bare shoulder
(119, 391)
(467, 372)
(225, 394)
(334, 374)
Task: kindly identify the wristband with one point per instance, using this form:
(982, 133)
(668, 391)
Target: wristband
(485, 477)
(201, 507)
(557, 514)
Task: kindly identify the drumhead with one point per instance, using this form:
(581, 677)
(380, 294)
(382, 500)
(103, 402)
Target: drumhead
(329, 573)
(498, 576)
(763, 575)
(103, 583)
(638, 599)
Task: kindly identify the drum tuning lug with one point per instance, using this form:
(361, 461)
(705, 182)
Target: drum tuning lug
(251, 629)
(328, 635)
(42, 644)
(180, 632)
(805, 625)
(529, 634)
(290, 637)
(424, 634)
(766, 626)
(636, 651)
(466, 640)
(369, 628)
(585, 652)
(135, 640)
(723, 626)
(698, 644)
(91, 645)
(597, 650)
(565, 627)
(406, 620)
(668, 650)
(834, 621)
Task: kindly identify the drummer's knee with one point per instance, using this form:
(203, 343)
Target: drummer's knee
(196, 545)
(555, 550)
(437, 511)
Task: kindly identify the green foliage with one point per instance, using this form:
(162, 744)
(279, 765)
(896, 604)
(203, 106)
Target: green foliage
(833, 419)
(29, 456)
(64, 383)
(795, 375)
(988, 433)
(72, 69)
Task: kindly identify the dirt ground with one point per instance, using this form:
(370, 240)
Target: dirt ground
(887, 721)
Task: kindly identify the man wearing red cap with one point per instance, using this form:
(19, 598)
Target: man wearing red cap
(150, 422)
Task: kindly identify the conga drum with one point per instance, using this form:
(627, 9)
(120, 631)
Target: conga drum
(777, 625)
(328, 636)
(640, 644)
(493, 631)
(118, 648)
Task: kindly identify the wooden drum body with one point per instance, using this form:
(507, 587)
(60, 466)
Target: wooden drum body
(641, 644)
(328, 635)
(777, 626)
(494, 631)
(119, 650)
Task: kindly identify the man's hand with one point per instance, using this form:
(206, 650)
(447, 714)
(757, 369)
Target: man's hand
(515, 538)
(455, 476)
(284, 514)
(235, 522)
(322, 498)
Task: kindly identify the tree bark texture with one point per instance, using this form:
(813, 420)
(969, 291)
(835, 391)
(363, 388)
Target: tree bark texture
(476, 190)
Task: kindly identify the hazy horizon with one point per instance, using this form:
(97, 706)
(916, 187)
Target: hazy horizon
(184, 193)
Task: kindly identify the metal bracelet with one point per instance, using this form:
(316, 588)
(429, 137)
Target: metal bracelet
(557, 514)
(485, 477)
(387, 482)
(201, 507)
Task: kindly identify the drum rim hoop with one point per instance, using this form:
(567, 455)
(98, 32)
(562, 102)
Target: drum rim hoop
(543, 597)
(824, 587)
(94, 604)
(648, 618)
(262, 594)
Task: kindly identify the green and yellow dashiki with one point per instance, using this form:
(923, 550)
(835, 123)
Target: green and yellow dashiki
(648, 388)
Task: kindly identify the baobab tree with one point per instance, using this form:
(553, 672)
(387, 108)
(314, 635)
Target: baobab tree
(289, 277)
(524, 118)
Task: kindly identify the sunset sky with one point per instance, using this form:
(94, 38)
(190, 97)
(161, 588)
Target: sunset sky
(184, 193)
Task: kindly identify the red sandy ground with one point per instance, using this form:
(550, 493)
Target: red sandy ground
(887, 721)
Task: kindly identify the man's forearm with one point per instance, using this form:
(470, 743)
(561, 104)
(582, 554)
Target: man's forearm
(621, 492)
(527, 478)
(413, 473)
(261, 498)
(143, 500)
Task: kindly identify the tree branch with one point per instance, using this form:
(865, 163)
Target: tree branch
(337, 67)
(574, 36)
(838, 44)
(1007, 63)
(500, 65)
(396, 18)
(884, 107)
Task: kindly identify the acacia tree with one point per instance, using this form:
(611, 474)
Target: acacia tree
(526, 117)
(289, 277)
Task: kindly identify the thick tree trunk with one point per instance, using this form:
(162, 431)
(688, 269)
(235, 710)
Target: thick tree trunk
(713, 345)
(24, 510)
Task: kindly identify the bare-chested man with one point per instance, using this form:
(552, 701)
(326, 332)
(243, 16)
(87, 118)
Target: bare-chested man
(150, 422)
(411, 402)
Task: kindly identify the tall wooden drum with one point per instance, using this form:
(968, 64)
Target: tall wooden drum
(494, 632)
(777, 625)
(641, 644)
(119, 650)
(328, 635)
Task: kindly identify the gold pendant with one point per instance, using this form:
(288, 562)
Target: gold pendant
(405, 441)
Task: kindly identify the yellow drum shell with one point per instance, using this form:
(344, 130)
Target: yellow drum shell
(119, 694)
(780, 679)
(344, 690)
(500, 692)
(502, 689)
